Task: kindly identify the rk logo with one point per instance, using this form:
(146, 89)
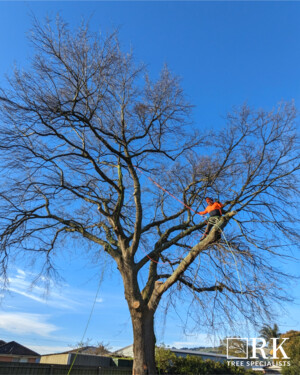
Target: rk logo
(241, 348)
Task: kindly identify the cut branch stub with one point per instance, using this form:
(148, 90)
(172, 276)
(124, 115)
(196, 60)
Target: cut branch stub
(136, 304)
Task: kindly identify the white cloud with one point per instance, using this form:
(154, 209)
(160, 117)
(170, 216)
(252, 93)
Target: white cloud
(21, 284)
(25, 323)
(28, 295)
(20, 273)
(63, 297)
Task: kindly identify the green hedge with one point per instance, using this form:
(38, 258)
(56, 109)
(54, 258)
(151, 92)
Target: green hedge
(294, 353)
(168, 363)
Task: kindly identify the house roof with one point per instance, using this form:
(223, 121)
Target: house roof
(197, 352)
(120, 351)
(14, 348)
(125, 347)
(84, 350)
(79, 350)
(180, 351)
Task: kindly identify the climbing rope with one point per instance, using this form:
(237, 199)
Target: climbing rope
(102, 273)
(236, 265)
(178, 200)
(155, 261)
(166, 191)
(90, 316)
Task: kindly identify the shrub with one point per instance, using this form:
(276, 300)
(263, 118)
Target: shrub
(168, 363)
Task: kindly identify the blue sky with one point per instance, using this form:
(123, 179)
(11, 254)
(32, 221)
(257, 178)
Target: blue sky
(227, 53)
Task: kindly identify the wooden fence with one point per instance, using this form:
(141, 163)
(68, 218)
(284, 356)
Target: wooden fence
(11, 368)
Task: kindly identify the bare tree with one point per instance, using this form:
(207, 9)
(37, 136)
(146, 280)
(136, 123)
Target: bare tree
(85, 347)
(80, 133)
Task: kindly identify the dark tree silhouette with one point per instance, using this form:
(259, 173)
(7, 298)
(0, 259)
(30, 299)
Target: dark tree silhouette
(82, 129)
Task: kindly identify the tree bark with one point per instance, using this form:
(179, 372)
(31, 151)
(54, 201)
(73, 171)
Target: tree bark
(143, 342)
(142, 318)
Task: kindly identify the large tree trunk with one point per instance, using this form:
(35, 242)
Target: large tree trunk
(142, 318)
(143, 342)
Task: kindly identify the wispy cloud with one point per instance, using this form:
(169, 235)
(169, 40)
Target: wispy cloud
(28, 295)
(25, 324)
(21, 283)
(20, 273)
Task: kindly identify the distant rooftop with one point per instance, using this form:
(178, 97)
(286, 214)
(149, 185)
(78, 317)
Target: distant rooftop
(179, 351)
(198, 352)
(88, 350)
(14, 348)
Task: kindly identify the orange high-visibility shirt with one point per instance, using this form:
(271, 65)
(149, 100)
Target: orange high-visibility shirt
(216, 206)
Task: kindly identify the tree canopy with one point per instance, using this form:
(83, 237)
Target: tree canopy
(81, 132)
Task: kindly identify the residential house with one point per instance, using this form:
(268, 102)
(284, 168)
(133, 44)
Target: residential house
(128, 352)
(15, 352)
(77, 357)
(213, 356)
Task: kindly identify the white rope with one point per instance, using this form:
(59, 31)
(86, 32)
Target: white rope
(229, 247)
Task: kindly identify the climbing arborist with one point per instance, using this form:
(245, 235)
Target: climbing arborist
(214, 209)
